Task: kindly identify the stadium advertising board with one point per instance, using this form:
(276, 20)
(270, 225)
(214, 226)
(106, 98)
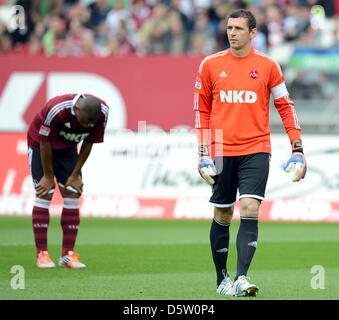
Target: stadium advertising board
(154, 176)
(129, 85)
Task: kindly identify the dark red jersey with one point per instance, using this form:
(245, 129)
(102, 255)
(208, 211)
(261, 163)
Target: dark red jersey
(57, 123)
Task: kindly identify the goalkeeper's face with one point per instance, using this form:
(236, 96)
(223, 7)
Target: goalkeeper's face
(239, 34)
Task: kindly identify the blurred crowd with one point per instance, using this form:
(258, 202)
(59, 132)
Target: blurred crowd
(141, 27)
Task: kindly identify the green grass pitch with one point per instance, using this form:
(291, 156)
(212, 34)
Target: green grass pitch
(150, 259)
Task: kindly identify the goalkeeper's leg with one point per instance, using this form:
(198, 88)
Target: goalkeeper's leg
(253, 175)
(219, 237)
(223, 197)
(246, 246)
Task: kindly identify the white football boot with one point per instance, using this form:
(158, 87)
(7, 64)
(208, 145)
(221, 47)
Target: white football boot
(225, 288)
(71, 260)
(243, 288)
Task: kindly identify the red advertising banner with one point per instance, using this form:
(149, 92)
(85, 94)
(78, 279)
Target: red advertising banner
(158, 89)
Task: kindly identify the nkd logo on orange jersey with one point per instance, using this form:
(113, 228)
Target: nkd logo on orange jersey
(235, 96)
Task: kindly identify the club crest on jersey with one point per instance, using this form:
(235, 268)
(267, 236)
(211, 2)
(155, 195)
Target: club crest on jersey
(254, 74)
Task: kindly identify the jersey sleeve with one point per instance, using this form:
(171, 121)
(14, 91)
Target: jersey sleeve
(97, 134)
(284, 104)
(277, 76)
(50, 122)
(202, 103)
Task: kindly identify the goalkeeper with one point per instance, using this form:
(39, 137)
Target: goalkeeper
(231, 103)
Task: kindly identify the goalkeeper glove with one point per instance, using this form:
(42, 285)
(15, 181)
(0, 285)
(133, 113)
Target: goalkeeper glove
(207, 169)
(297, 163)
(206, 165)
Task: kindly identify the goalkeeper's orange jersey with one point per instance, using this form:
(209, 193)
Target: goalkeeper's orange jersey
(232, 94)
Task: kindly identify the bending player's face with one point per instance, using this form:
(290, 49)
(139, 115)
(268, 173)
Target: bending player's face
(83, 119)
(238, 33)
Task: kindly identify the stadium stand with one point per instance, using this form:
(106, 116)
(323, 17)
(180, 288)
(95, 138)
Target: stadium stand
(303, 35)
(118, 27)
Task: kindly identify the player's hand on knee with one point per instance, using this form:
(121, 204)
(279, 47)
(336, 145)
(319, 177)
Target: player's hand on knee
(207, 169)
(74, 184)
(297, 163)
(45, 186)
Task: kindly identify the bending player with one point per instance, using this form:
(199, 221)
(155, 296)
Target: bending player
(52, 138)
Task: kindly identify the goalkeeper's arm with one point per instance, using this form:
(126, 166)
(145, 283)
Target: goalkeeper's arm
(285, 106)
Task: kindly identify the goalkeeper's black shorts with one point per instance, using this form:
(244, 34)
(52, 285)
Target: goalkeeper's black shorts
(248, 174)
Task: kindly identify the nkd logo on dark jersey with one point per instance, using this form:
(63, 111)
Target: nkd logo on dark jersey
(74, 137)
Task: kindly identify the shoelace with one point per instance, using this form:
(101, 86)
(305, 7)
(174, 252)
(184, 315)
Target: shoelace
(226, 283)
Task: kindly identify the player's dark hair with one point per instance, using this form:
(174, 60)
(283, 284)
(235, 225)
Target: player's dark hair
(242, 13)
(92, 106)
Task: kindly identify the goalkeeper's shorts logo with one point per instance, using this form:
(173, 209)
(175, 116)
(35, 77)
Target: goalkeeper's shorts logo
(253, 244)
